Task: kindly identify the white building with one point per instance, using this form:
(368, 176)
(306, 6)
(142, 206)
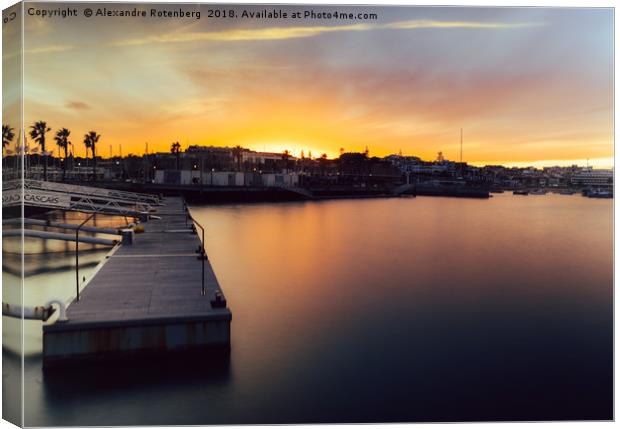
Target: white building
(224, 178)
(594, 178)
(257, 158)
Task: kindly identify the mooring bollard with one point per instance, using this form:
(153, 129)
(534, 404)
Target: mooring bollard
(127, 235)
(62, 309)
(219, 301)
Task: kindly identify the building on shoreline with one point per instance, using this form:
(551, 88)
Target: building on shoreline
(593, 178)
(237, 166)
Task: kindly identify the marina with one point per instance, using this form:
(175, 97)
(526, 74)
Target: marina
(409, 210)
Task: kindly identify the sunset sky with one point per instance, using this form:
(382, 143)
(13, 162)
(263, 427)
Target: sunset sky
(527, 85)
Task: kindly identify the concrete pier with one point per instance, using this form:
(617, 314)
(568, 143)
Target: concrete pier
(145, 299)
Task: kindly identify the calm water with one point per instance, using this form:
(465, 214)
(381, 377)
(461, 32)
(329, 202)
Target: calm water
(382, 310)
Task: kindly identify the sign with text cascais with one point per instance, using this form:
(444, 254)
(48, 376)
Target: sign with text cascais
(13, 197)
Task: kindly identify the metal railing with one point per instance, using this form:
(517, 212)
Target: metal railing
(94, 192)
(202, 253)
(201, 248)
(77, 257)
(77, 249)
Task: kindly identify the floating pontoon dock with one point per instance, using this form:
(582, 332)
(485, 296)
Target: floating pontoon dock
(147, 297)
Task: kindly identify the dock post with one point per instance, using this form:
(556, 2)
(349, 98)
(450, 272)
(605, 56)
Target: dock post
(127, 235)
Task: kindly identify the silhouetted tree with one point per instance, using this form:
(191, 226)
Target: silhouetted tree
(62, 140)
(176, 149)
(285, 157)
(90, 141)
(8, 135)
(238, 155)
(323, 163)
(37, 132)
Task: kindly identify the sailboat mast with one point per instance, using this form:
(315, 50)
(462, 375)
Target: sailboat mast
(461, 145)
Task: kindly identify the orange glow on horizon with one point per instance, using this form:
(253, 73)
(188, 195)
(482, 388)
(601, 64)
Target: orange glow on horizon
(319, 88)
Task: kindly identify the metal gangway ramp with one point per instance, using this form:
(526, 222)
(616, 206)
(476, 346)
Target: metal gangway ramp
(86, 199)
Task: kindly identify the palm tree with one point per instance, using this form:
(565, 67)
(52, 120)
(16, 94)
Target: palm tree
(285, 156)
(7, 138)
(238, 155)
(8, 135)
(90, 141)
(323, 163)
(62, 140)
(176, 149)
(37, 132)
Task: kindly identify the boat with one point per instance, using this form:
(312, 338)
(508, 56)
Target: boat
(599, 193)
(538, 192)
(566, 192)
(521, 192)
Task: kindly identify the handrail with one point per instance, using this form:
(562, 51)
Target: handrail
(201, 248)
(93, 191)
(77, 259)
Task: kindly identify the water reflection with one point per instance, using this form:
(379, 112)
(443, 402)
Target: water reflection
(135, 377)
(49, 272)
(424, 309)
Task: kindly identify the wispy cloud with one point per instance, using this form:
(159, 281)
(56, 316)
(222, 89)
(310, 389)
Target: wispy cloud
(280, 33)
(274, 33)
(49, 49)
(77, 105)
(415, 24)
(42, 50)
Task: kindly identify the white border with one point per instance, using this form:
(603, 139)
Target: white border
(545, 3)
